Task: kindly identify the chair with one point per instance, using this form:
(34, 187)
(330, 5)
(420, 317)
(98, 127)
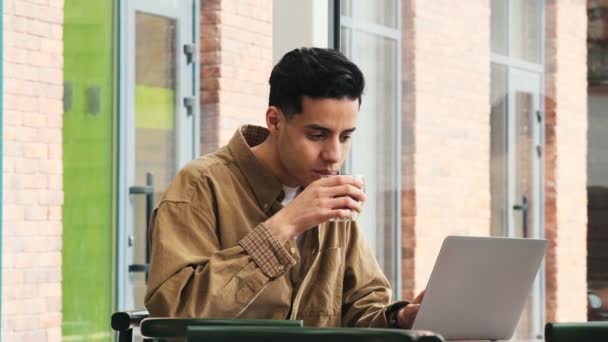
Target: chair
(224, 330)
(196, 333)
(124, 322)
(579, 332)
(177, 328)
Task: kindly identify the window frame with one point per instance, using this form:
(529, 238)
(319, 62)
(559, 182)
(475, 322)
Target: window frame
(337, 22)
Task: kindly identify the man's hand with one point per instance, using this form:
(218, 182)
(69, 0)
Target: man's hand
(406, 316)
(322, 200)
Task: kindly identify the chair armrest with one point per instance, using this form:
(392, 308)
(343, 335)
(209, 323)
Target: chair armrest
(125, 320)
(163, 328)
(580, 332)
(197, 333)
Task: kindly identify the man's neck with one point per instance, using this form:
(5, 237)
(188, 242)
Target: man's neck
(266, 154)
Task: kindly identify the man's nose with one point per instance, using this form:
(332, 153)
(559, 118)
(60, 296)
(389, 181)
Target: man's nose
(332, 152)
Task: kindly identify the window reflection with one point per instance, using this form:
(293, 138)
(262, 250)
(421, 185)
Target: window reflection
(498, 150)
(597, 161)
(375, 149)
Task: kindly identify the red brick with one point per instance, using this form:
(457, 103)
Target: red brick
(565, 71)
(27, 166)
(33, 64)
(53, 304)
(35, 151)
(27, 10)
(49, 320)
(38, 28)
(53, 15)
(35, 213)
(13, 277)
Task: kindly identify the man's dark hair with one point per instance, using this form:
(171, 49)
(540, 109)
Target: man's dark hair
(316, 73)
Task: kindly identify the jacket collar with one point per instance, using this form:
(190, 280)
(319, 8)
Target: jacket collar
(264, 184)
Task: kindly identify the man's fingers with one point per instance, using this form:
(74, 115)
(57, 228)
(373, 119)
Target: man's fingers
(419, 297)
(340, 214)
(407, 315)
(333, 197)
(346, 190)
(345, 202)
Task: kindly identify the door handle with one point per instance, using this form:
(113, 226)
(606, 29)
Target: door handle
(147, 190)
(189, 51)
(189, 102)
(524, 207)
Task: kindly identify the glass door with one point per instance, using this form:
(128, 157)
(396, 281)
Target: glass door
(157, 125)
(524, 186)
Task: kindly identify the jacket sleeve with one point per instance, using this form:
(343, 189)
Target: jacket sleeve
(191, 277)
(366, 291)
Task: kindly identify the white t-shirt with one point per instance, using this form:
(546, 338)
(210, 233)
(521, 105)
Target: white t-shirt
(290, 194)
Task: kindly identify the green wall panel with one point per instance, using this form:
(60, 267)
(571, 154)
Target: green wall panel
(88, 137)
(153, 104)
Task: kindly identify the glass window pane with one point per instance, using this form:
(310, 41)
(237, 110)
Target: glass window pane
(498, 150)
(499, 26)
(524, 187)
(597, 62)
(598, 141)
(88, 165)
(527, 30)
(155, 116)
(597, 200)
(375, 145)
(381, 12)
(346, 8)
(345, 34)
(525, 150)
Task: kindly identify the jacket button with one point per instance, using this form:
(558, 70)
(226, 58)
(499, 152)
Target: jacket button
(292, 250)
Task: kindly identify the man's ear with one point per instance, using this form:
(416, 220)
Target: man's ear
(274, 120)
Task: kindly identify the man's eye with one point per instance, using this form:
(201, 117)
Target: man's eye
(345, 138)
(316, 136)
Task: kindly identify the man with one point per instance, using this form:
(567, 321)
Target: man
(246, 232)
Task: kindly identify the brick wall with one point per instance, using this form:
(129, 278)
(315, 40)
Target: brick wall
(32, 174)
(446, 128)
(408, 150)
(236, 60)
(566, 171)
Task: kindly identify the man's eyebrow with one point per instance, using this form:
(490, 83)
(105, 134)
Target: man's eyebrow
(318, 128)
(326, 130)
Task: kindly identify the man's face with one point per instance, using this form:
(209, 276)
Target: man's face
(315, 142)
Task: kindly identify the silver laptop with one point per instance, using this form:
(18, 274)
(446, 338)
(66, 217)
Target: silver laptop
(479, 286)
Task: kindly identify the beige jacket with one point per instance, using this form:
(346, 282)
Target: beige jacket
(211, 256)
